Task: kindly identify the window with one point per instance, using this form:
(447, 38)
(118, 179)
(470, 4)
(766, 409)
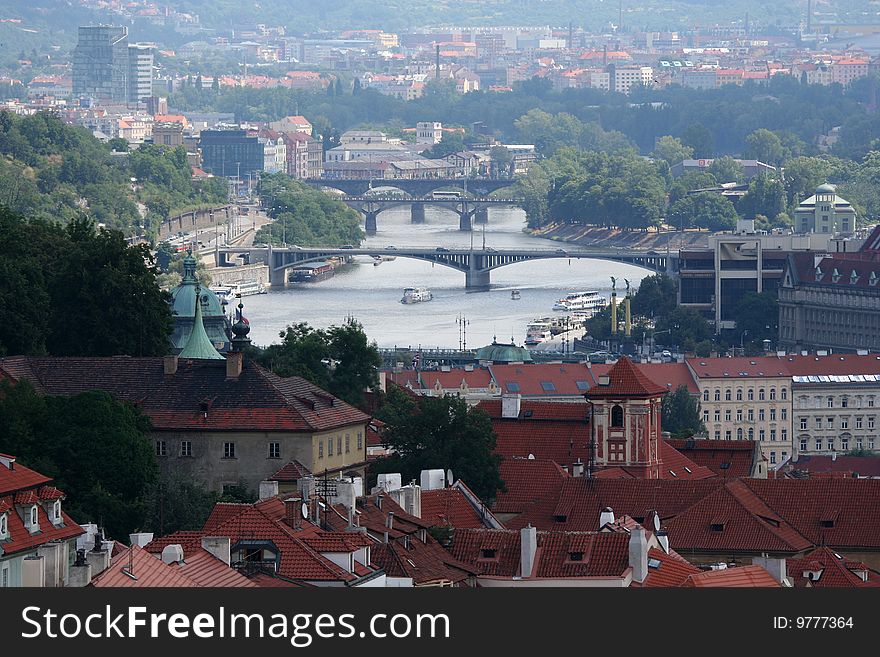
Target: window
(760, 414)
(705, 415)
(739, 434)
(762, 435)
(803, 424)
(727, 415)
(575, 556)
(870, 402)
(830, 402)
(35, 519)
(330, 447)
(772, 458)
(487, 554)
(783, 393)
(784, 435)
(751, 395)
(772, 394)
(717, 415)
(727, 435)
(844, 444)
(831, 423)
(717, 395)
(548, 386)
(870, 443)
(229, 450)
(859, 444)
(339, 444)
(739, 415)
(803, 444)
(870, 423)
(844, 402)
(4, 577)
(783, 412)
(274, 450)
(4, 523)
(161, 449)
(186, 448)
(360, 441)
(717, 435)
(858, 423)
(706, 395)
(818, 423)
(512, 386)
(772, 435)
(844, 423)
(751, 415)
(727, 395)
(751, 433)
(347, 443)
(739, 395)
(818, 444)
(617, 416)
(831, 444)
(760, 394)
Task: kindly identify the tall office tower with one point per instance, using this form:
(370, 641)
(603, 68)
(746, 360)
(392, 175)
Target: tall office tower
(140, 71)
(101, 63)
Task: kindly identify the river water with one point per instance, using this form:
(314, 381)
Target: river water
(371, 294)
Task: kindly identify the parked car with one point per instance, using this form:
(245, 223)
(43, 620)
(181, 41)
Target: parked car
(442, 249)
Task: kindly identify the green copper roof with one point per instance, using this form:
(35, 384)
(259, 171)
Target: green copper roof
(504, 353)
(199, 345)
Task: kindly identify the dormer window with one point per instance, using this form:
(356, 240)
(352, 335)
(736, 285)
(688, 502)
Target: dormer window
(34, 525)
(487, 553)
(872, 279)
(4, 526)
(56, 512)
(854, 277)
(819, 274)
(575, 556)
(835, 275)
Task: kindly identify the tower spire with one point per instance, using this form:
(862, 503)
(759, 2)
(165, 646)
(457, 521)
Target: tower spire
(199, 345)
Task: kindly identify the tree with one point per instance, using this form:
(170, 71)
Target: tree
(672, 150)
(356, 88)
(440, 432)
(704, 210)
(697, 137)
(502, 160)
(766, 196)
(94, 446)
(757, 316)
(727, 169)
(680, 414)
(802, 176)
(451, 142)
(765, 146)
(175, 502)
(656, 296)
(684, 327)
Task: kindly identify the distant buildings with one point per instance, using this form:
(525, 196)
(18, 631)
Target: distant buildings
(825, 212)
(106, 67)
(231, 153)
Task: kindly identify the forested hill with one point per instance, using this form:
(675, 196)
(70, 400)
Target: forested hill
(51, 170)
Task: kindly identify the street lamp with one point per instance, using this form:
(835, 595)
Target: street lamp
(656, 333)
(741, 336)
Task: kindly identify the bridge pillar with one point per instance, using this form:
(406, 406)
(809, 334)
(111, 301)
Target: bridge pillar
(417, 213)
(370, 221)
(481, 216)
(464, 221)
(476, 280)
(278, 277)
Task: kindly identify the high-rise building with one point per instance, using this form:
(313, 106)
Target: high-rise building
(106, 67)
(140, 71)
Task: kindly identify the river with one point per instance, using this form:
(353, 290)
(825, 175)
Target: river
(371, 294)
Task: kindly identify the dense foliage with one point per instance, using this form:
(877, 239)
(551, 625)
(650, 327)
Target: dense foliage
(51, 170)
(92, 445)
(681, 414)
(439, 433)
(76, 291)
(305, 216)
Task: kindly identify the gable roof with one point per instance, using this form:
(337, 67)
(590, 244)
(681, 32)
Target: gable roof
(625, 380)
(448, 507)
(137, 568)
(834, 571)
(528, 481)
(198, 397)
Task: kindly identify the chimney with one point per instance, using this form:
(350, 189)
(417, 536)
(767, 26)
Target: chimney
(172, 554)
(638, 554)
(219, 546)
(293, 512)
(234, 364)
(99, 560)
(141, 539)
(775, 566)
(385, 538)
(663, 540)
(412, 499)
(577, 469)
(170, 364)
(80, 573)
(511, 405)
(389, 520)
(346, 493)
(606, 517)
(268, 490)
(32, 573)
(528, 547)
(383, 381)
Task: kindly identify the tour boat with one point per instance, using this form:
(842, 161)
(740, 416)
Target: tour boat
(514, 294)
(591, 302)
(230, 291)
(538, 331)
(416, 295)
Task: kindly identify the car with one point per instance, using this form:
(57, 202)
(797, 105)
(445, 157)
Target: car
(442, 249)
(346, 246)
(489, 249)
(393, 248)
(562, 251)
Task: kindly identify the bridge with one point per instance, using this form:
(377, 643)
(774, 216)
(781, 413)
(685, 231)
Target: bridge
(412, 186)
(469, 210)
(475, 264)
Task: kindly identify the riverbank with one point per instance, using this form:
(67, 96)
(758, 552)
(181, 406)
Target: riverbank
(596, 237)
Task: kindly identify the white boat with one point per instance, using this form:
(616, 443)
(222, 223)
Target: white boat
(231, 291)
(591, 302)
(514, 294)
(538, 331)
(378, 260)
(416, 295)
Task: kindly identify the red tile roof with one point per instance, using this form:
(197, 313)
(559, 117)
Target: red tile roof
(625, 380)
(668, 375)
(602, 554)
(741, 577)
(448, 507)
(425, 562)
(835, 571)
(207, 570)
(543, 379)
(18, 478)
(836, 364)
(863, 466)
(736, 368)
(544, 431)
(197, 397)
(21, 539)
(528, 481)
(726, 458)
(137, 568)
(290, 472)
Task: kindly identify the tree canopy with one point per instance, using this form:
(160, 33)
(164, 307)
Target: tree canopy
(680, 414)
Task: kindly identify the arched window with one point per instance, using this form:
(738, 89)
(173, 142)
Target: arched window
(751, 395)
(56, 511)
(783, 393)
(705, 395)
(739, 434)
(727, 395)
(761, 394)
(3, 525)
(717, 394)
(34, 517)
(617, 416)
(772, 393)
(751, 434)
(739, 395)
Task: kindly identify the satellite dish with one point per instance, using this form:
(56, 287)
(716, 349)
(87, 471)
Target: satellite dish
(656, 522)
(449, 479)
(305, 511)
(531, 457)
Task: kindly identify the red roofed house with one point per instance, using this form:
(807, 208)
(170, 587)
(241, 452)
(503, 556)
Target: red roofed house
(823, 568)
(37, 538)
(726, 458)
(218, 420)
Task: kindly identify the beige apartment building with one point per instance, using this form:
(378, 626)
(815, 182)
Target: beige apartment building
(747, 399)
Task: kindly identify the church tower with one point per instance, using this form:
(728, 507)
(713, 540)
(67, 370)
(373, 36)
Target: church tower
(625, 411)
